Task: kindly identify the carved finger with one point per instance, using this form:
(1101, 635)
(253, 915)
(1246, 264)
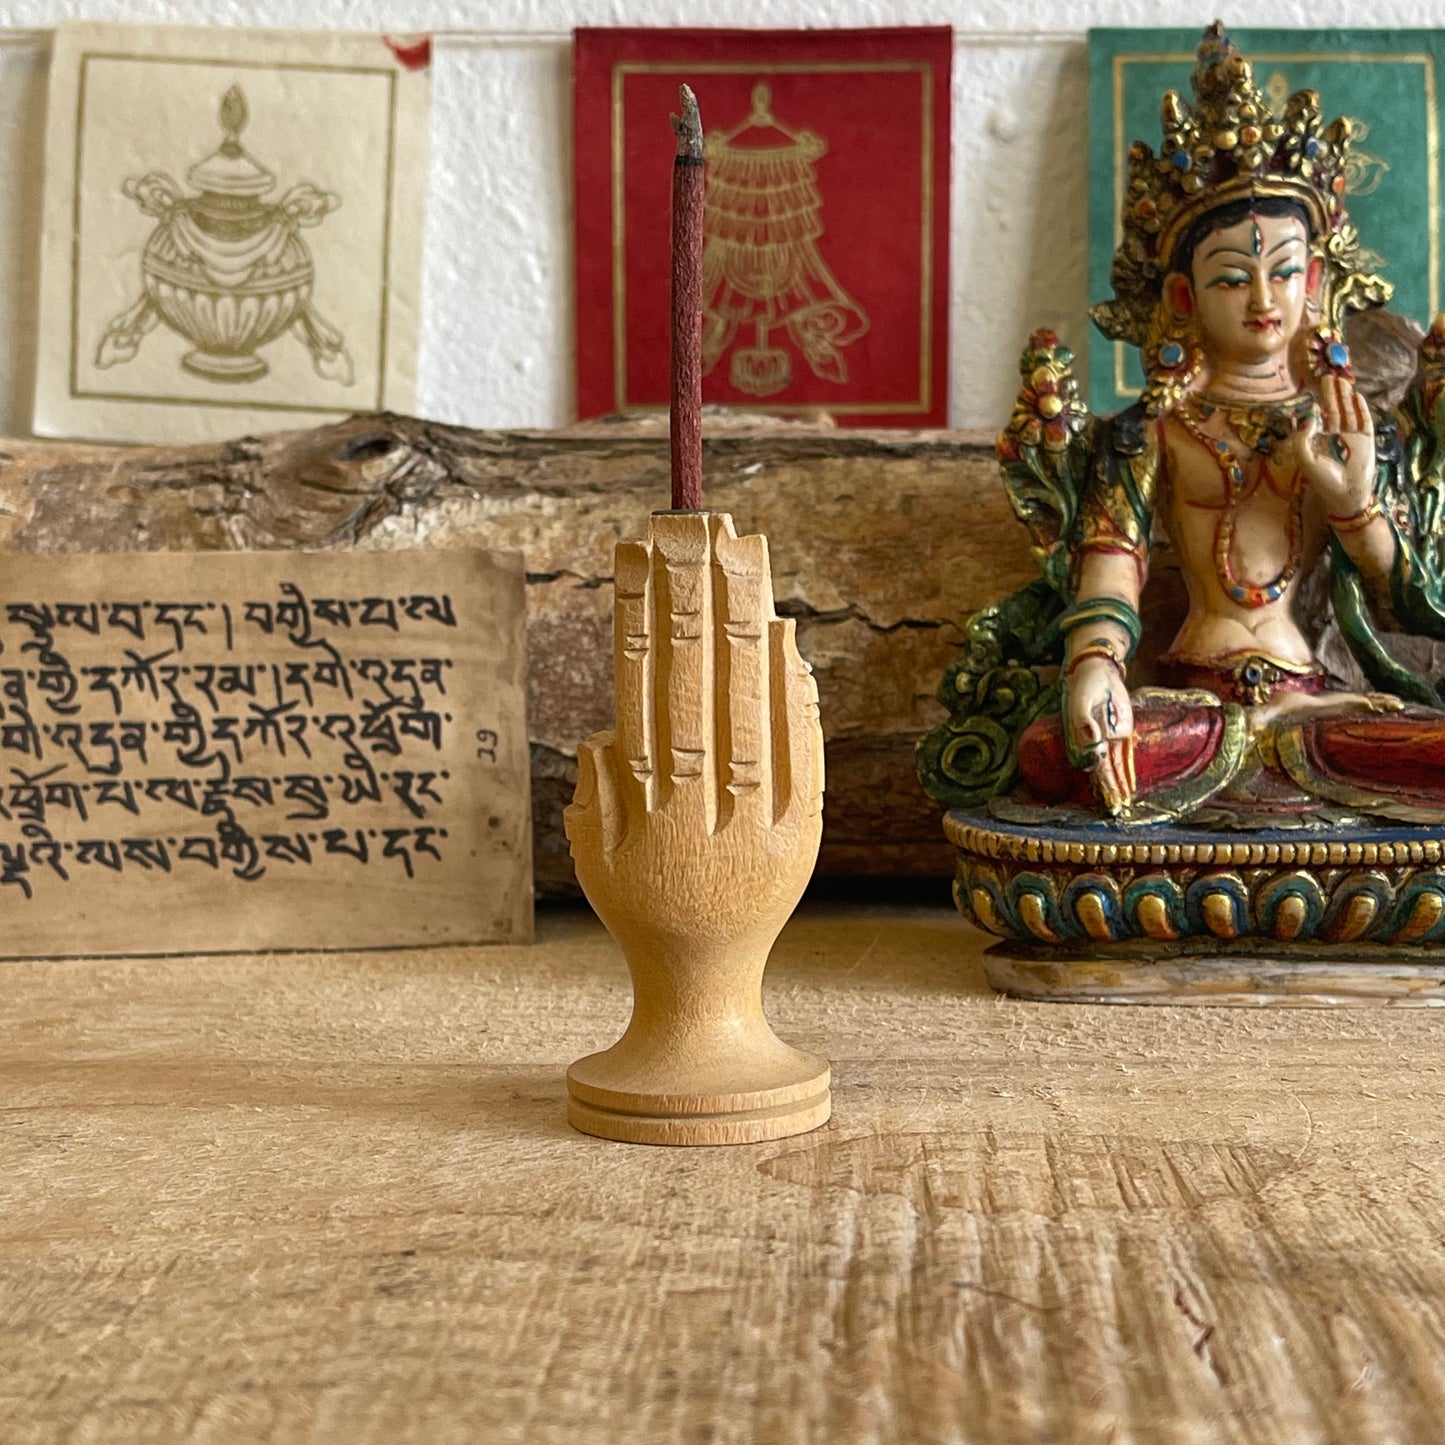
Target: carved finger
(596, 819)
(1307, 431)
(796, 732)
(1084, 742)
(1107, 782)
(634, 665)
(1345, 403)
(1332, 405)
(743, 592)
(684, 651)
(1121, 765)
(1349, 416)
(1102, 719)
(1364, 422)
(1115, 780)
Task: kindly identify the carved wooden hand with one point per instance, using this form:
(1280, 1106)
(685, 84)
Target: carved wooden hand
(695, 827)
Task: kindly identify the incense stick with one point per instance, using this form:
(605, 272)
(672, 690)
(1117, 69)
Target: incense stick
(687, 204)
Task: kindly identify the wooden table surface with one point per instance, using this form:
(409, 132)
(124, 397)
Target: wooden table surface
(333, 1199)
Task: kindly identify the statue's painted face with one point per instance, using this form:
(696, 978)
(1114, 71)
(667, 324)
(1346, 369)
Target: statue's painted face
(1248, 285)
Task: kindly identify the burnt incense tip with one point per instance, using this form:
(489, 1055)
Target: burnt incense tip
(688, 126)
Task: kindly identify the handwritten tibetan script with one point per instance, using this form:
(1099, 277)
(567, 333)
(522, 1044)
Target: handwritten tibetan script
(217, 752)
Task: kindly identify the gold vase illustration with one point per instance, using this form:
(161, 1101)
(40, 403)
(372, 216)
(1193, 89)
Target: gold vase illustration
(761, 265)
(225, 270)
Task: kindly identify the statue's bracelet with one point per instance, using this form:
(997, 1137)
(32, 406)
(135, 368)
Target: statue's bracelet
(1104, 609)
(1355, 521)
(1097, 648)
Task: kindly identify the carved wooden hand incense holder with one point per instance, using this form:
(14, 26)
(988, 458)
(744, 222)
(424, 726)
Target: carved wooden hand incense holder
(695, 828)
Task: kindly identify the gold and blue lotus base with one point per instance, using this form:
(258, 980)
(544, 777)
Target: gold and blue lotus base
(1180, 915)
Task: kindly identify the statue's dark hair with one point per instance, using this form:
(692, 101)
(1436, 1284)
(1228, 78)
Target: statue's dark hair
(1231, 215)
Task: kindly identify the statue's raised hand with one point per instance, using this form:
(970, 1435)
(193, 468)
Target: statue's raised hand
(1336, 449)
(695, 828)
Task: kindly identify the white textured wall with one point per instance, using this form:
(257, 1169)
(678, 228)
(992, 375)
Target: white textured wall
(496, 345)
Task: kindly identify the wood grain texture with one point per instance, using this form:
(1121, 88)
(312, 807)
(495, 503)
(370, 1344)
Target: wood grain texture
(882, 543)
(326, 1199)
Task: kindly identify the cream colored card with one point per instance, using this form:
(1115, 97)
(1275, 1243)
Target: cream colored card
(232, 231)
(216, 752)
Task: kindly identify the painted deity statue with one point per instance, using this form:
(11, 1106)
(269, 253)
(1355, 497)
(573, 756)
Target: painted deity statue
(1254, 464)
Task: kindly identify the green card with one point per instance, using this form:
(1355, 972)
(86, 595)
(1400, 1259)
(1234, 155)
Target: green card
(1386, 81)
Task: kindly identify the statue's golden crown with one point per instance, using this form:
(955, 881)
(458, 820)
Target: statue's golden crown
(1230, 144)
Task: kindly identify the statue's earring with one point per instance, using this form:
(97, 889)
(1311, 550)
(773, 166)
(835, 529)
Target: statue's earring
(1176, 345)
(1172, 357)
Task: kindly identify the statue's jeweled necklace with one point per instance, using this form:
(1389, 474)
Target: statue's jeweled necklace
(1259, 427)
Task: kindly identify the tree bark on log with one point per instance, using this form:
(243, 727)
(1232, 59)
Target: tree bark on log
(882, 543)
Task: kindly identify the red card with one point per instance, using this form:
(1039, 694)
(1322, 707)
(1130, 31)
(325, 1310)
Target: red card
(825, 266)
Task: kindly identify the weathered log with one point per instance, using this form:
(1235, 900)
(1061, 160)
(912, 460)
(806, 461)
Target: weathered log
(881, 544)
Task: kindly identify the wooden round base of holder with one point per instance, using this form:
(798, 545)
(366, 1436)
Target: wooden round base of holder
(599, 1102)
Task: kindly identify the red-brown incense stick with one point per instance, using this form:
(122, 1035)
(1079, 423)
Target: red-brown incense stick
(687, 197)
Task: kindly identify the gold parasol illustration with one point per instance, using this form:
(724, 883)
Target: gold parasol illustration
(761, 264)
